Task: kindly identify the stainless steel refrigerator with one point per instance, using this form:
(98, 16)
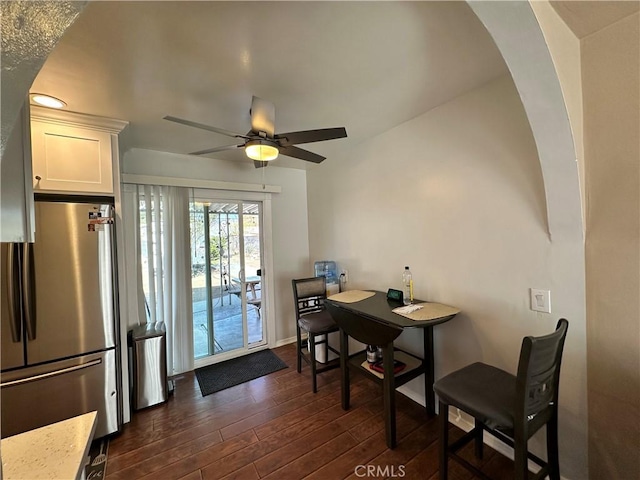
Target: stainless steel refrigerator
(59, 331)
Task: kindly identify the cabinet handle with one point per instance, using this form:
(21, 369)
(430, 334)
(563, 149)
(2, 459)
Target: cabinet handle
(38, 177)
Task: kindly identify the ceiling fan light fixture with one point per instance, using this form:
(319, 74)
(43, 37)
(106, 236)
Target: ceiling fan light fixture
(262, 150)
(47, 101)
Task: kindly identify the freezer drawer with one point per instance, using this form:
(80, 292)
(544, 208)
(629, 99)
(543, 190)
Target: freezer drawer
(38, 396)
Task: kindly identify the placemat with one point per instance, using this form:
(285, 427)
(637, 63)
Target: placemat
(351, 296)
(430, 311)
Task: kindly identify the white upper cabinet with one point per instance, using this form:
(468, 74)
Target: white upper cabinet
(73, 153)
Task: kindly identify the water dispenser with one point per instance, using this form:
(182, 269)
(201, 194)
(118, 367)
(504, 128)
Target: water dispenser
(329, 270)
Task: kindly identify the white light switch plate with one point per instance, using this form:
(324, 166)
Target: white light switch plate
(540, 300)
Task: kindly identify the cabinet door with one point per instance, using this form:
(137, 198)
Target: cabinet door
(71, 159)
(16, 194)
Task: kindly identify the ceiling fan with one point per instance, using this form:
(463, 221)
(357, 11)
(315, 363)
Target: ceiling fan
(261, 143)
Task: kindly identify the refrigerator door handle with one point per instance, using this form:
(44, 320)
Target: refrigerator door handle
(13, 281)
(29, 291)
(51, 374)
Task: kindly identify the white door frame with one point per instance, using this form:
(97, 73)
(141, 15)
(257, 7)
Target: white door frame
(268, 300)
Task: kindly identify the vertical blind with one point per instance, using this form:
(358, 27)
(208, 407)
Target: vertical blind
(159, 216)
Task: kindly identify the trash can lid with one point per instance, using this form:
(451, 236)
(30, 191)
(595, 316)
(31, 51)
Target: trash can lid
(148, 330)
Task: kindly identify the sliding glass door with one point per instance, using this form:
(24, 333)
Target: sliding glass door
(226, 275)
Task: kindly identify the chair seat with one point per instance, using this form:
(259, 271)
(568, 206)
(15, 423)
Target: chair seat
(318, 322)
(485, 392)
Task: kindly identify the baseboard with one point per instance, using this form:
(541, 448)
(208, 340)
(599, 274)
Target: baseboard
(412, 395)
(286, 341)
(463, 424)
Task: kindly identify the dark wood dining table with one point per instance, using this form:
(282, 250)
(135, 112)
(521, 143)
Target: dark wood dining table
(372, 321)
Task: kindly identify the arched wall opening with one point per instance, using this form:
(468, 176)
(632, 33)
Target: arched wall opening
(518, 36)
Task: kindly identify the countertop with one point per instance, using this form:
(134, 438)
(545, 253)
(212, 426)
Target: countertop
(57, 451)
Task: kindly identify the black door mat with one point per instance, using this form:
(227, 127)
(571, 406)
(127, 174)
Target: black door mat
(230, 373)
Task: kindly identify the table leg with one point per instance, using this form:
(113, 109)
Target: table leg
(344, 367)
(389, 390)
(429, 374)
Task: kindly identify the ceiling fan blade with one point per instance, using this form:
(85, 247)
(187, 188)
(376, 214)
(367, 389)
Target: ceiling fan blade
(202, 126)
(259, 164)
(308, 136)
(263, 116)
(296, 152)
(217, 149)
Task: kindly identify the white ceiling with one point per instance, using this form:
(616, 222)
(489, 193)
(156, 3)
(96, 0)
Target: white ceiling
(587, 17)
(367, 66)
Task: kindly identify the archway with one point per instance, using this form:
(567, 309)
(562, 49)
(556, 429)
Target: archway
(517, 34)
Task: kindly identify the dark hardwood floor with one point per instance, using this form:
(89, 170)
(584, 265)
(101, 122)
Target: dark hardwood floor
(274, 427)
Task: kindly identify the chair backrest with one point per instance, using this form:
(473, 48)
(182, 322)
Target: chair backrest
(539, 370)
(309, 294)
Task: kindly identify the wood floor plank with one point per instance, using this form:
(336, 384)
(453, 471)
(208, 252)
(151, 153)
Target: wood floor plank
(177, 462)
(192, 476)
(395, 460)
(217, 418)
(310, 462)
(295, 416)
(246, 473)
(279, 410)
(301, 414)
(274, 427)
(334, 415)
(424, 464)
(366, 450)
(288, 453)
(499, 467)
(251, 453)
(198, 440)
(200, 459)
(345, 464)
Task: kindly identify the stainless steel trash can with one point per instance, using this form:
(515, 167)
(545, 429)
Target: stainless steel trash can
(149, 361)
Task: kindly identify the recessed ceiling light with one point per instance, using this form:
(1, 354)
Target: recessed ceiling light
(47, 101)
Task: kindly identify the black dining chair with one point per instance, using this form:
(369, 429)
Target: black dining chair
(511, 408)
(312, 318)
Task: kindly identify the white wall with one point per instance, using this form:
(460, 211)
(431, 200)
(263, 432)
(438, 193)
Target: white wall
(289, 213)
(458, 195)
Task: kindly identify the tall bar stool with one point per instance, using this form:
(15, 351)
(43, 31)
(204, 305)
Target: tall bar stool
(511, 408)
(312, 318)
